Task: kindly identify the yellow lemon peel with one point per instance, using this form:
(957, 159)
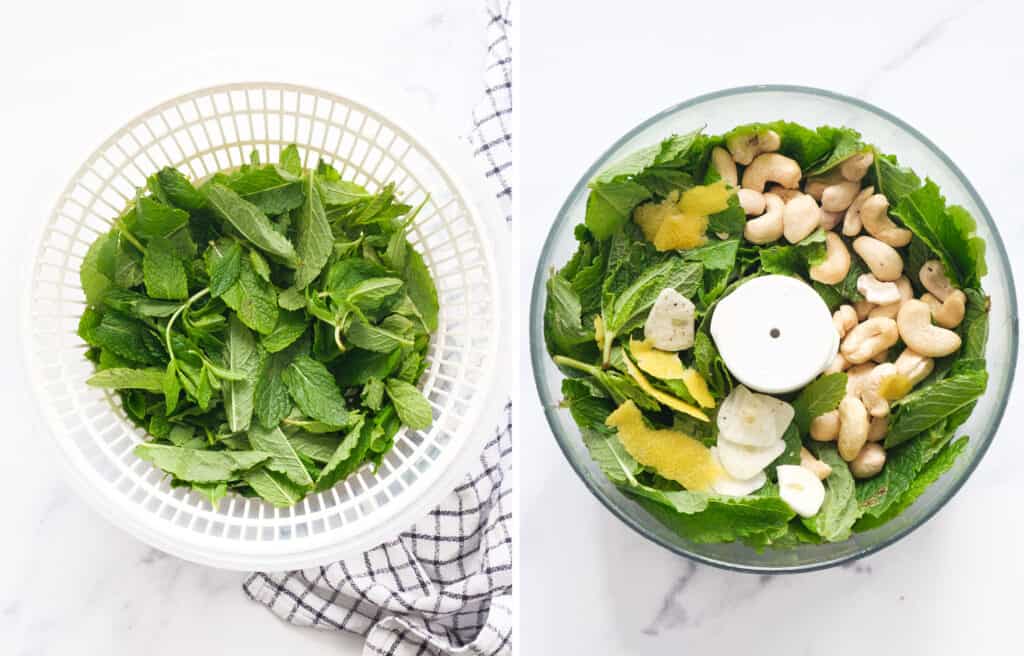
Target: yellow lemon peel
(705, 200)
(894, 386)
(662, 397)
(660, 364)
(672, 454)
(698, 388)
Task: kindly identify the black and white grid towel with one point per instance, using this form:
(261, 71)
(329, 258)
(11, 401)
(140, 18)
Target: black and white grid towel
(444, 587)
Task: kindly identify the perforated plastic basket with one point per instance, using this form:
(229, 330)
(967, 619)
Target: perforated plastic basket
(215, 129)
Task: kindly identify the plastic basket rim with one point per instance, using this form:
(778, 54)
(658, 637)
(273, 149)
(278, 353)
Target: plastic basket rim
(455, 167)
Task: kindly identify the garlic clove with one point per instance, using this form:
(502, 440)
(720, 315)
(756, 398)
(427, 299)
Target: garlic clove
(745, 462)
(753, 419)
(670, 323)
(800, 489)
(728, 486)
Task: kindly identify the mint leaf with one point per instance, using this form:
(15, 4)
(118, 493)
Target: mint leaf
(902, 464)
(892, 179)
(411, 405)
(283, 458)
(119, 378)
(610, 204)
(315, 391)
(274, 488)
(313, 238)
(249, 221)
(373, 394)
(178, 191)
(419, 286)
(242, 355)
(834, 522)
(163, 272)
(271, 402)
(926, 407)
(267, 188)
(198, 466)
(223, 265)
(98, 267)
(290, 326)
(318, 447)
(126, 337)
(820, 396)
(254, 299)
(154, 219)
(348, 456)
(290, 160)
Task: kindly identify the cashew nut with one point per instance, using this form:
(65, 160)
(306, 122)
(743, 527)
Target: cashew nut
(838, 197)
(869, 461)
(916, 330)
(933, 278)
(771, 167)
(844, 319)
(816, 186)
(724, 164)
(839, 363)
(914, 366)
(785, 194)
(853, 427)
(881, 258)
(890, 310)
(851, 220)
(800, 217)
(856, 376)
(870, 394)
(830, 220)
(768, 227)
(751, 201)
(863, 309)
(881, 356)
(813, 465)
(836, 264)
(870, 338)
(874, 214)
(856, 167)
(745, 147)
(876, 291)
(825, 428)
(948, 313)
(878, 428)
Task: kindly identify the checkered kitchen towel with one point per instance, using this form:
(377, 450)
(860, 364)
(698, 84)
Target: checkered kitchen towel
(444, 587)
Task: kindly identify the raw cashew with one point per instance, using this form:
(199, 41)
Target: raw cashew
(836, 264)
(844, 319)
(816, 186)
(856, 167)
(839, 363)
(800, 217)
(881, 356)
(870, 338)
(785, 194)
(768, 227)
(878, 428)
(881, 258)
(876, 291)
(774, 168)
(933, 278)
(863, 309)
(877, 405)
(813, 465)
(745, 147)
(825, 428)
(830, 220)
(874, 214)
(724, 164)
(853, 427)
(890, 310)
(916, 330)
(851, 220)
(869, 461)
(751, 201)
(948, 313)
(856, 376)
(914, 366)
(838, 197)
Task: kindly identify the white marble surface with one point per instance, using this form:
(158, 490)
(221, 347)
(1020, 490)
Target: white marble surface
(590, 585)
(71, 75)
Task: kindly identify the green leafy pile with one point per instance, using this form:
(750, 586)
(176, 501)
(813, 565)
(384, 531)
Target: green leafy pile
(615, 275)
(267, 328)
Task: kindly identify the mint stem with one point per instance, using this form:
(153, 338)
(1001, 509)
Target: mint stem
(184, 306)
(576, 364)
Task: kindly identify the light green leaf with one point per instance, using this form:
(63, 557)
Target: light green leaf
(412, 407)
(242, 355)
(283, 458)
(248, 220)
(313, 238)
(150, 380)
(315, 391)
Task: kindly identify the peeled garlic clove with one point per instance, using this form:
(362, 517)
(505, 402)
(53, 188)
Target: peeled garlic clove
(728, 486)
(753, 419)
(669, 326)
(745, 462)
(800, 489)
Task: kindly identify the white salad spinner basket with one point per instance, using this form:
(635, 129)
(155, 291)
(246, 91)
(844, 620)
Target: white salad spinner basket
(215, 129)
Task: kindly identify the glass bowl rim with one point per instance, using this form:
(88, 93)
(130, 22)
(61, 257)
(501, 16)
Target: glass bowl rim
(538, 352)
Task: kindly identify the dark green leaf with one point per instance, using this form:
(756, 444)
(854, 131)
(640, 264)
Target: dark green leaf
(315, 391)
(249, 221)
